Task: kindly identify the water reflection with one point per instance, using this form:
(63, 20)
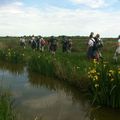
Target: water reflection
(12, 68)
(57, 85)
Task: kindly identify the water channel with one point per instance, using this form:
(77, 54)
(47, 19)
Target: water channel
(45, 98)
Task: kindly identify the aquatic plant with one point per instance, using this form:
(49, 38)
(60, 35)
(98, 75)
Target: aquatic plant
(105, 84)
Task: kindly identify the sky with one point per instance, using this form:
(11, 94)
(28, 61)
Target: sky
(59, 17)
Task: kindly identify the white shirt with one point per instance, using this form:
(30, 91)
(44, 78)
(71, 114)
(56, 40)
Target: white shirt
(91, 42)
(119, 40)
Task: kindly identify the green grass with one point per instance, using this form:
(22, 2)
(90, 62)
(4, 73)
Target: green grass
(6, 107)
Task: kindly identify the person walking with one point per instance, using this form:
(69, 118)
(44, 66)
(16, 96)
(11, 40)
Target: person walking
(53, 44)
(98, 44)
(64, 44)
(117, 51)
(90, 50)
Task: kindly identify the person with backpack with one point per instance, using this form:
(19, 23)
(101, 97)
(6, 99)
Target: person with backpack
(98, 44)
(69, 46)
(22, 41)
(42, 42)
(90, 49)
(64, 44)
(38, 44)
(53, 44)
(33, 43)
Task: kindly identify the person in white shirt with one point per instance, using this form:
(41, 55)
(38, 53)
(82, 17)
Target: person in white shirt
(117, 51)
(90, 46)
(22, 41)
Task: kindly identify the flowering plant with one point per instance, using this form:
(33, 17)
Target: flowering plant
(105, 84)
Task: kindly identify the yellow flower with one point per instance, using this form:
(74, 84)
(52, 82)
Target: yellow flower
(111, 71)
(78, 67)
(98, 73)
(118, 70)
(96, 77)
(93, 71)
(94, 61)
(104, 65)
(89, 76)
(96, 85)
(109, 74)
(112, 79)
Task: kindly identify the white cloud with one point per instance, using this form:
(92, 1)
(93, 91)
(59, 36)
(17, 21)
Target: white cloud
(15, 19)
(91, 3)
(95, 4)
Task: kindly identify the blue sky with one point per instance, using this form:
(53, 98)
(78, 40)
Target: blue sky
(58, 17)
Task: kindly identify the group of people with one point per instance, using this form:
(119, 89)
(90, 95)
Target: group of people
(95, 44)
(39, 43)
(35, 42)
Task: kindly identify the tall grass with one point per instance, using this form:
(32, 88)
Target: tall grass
(41, 64)
(62, 67)
(6, 107)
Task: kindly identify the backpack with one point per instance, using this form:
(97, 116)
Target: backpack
(42, 42)
(95, 45)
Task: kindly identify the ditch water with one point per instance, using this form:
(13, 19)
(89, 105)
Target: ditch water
(44, 98)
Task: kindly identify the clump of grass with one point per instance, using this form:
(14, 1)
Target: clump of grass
(41, 64)
(105, 84)
(6, 107)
